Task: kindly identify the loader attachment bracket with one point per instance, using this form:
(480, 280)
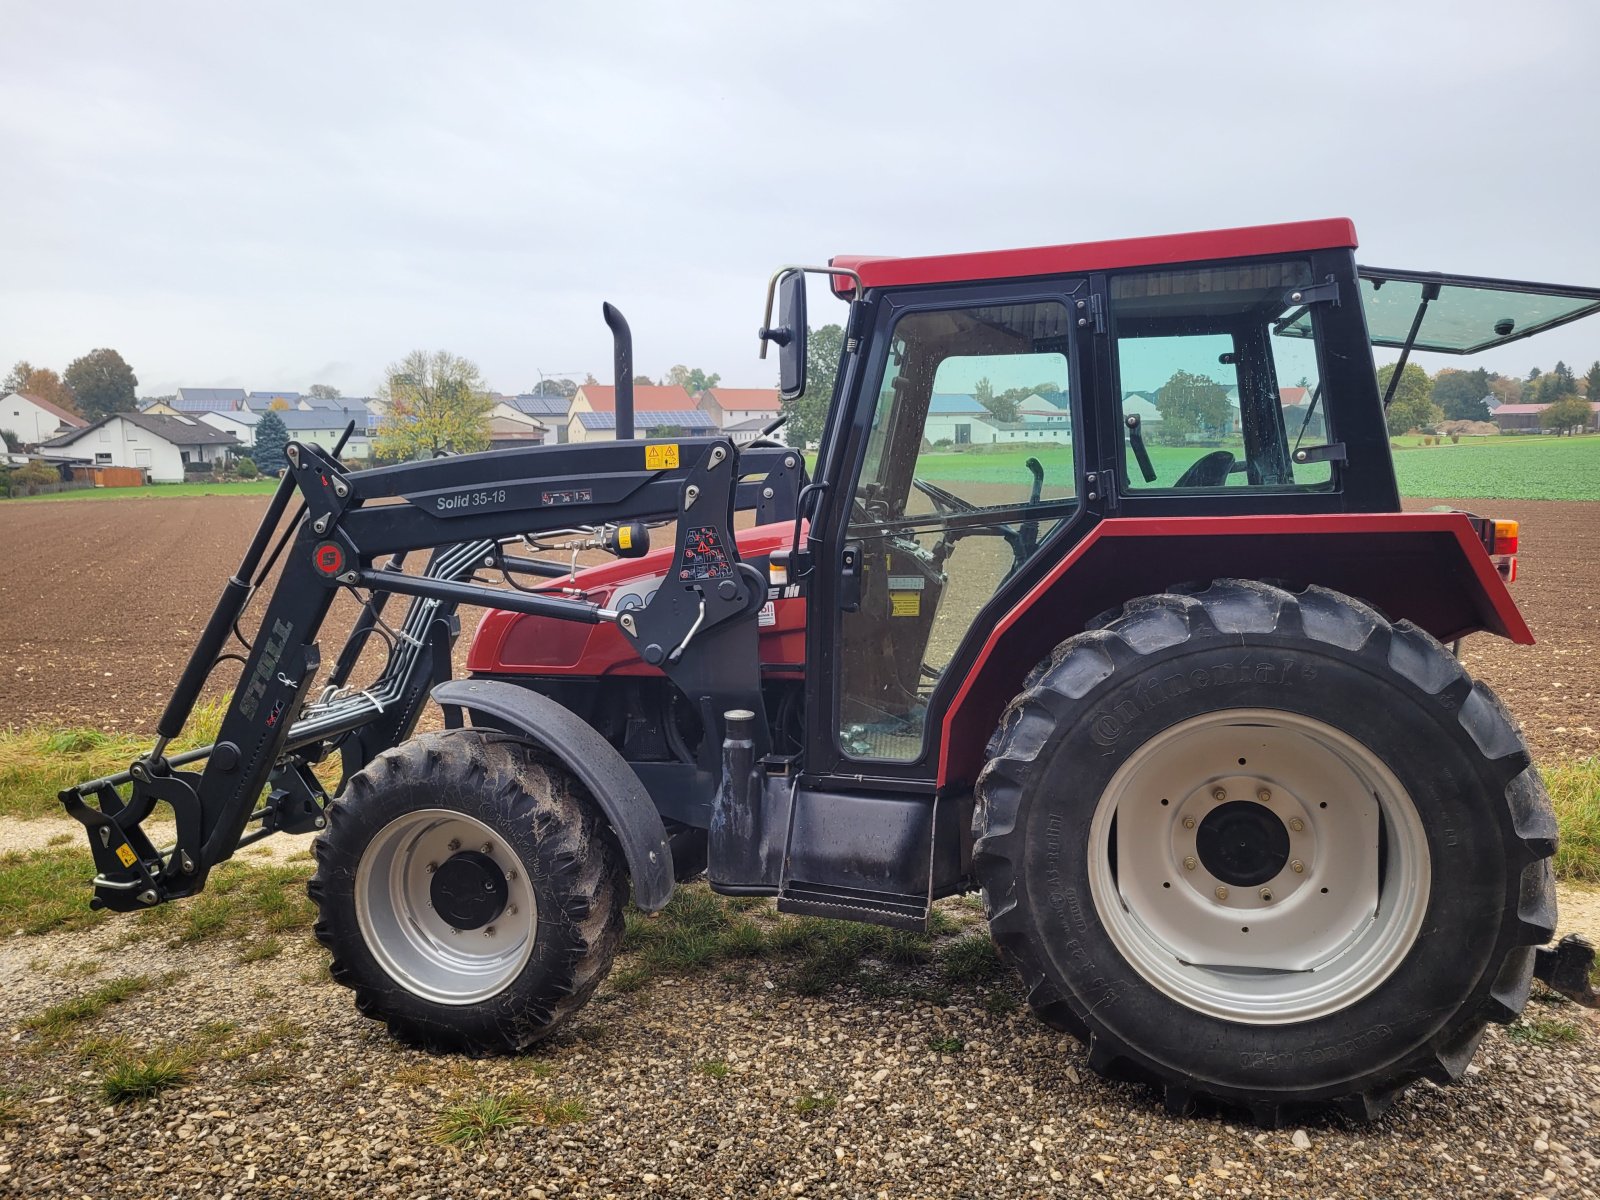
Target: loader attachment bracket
(1567, 968)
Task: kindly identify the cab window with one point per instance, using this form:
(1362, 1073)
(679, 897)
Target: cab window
(1212, 384)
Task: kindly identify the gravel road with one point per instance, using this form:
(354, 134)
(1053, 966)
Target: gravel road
(725, 1084)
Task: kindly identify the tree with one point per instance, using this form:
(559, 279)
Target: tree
(103, 383)
(13, 443)
(1412, 406)
(1192, 406)
(321, 391)
(1506, 389)
(555, 388)
(433, 402)
(277, 404)
(643, 381)
(809, 412)
(1461, 394)
(41, 383)
(694, 380)
(271, 438)
(1592, 388)
(1565, 413)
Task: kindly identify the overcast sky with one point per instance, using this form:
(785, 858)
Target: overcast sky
(274, 195)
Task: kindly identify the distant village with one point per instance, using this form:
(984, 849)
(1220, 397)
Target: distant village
(203, 430)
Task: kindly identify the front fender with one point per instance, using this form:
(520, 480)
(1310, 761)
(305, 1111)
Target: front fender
(597, 765)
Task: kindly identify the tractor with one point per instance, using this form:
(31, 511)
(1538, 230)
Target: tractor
(1096, 597)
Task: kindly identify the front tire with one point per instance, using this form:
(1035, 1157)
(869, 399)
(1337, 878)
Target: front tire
(469, 892)
(1265, 849)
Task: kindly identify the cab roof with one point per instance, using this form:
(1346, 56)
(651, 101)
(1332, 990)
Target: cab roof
(1078, 257)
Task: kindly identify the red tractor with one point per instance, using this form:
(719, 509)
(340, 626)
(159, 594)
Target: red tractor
(1097, 598)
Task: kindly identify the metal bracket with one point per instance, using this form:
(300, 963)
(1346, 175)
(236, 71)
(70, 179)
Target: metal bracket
(1326, 292)
(1332, 452)
(1091, 313)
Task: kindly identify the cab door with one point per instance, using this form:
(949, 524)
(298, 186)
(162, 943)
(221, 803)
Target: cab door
(955, 472)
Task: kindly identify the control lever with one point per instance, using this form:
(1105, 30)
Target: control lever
(1136, 440)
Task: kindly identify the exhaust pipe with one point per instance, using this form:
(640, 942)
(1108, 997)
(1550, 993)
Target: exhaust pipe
(622, 365)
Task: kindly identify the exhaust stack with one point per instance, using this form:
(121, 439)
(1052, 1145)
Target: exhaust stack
(622, 363)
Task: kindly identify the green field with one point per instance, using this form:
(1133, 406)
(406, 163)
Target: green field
(1501, 468)
(160, 491)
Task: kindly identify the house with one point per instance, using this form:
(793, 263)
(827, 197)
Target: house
(158, 444)
(731, 407)
(550, 411)
(509, 426)
(241, 423)
(326, 426)
(31, 419)
(197, 400)
(1053, 409)
(958, 419)
(1524, 418)
(649, 403)
(261, 401)
(648, 423)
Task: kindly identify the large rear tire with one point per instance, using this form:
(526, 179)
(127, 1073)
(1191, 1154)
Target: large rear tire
(1265, 849)
(469, 892)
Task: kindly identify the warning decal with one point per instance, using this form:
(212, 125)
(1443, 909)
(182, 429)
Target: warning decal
(663, 457)
(704, 555)
(126, 856)
(905, 604)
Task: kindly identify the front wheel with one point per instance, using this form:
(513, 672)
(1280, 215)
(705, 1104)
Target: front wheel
(1265, 849)
(469, 892)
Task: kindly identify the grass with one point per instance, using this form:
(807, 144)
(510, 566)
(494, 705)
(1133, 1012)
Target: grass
(946, 1045)
(159, 491)
(35, 764)
(1575, 792)
(819, 1103)
(55, 1022)
(45, 890)
(1502, 468)
(1544, 1031)
(714, 1068)
(138, 1077)
(467, 1126)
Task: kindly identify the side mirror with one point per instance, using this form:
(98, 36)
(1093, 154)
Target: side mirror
(789, 335)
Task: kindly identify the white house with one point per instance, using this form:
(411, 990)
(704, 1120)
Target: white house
(241, 423)
(160, 445)
(731, 407)
(958, 419)
(326, 426)
(33, 420)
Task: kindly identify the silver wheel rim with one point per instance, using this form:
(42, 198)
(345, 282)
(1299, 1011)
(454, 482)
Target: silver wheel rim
(1315, 937)
(419, 949)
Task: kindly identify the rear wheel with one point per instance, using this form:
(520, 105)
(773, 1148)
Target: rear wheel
(468, 892)
(1266, 849)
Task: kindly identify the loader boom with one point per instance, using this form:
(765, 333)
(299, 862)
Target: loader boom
(465, 510)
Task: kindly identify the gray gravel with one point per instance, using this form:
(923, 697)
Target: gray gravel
(340, 1110)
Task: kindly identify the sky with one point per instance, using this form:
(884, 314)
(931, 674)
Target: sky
(274, 195)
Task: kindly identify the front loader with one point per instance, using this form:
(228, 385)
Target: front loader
(1098, 600)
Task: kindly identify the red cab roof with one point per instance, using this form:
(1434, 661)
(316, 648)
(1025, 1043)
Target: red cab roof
(1333, 233)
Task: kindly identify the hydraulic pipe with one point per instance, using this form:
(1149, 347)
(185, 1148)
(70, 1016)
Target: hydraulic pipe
(235, 595)
(622, 365)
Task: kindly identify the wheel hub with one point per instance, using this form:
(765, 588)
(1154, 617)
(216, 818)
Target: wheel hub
(469, 890)
(1242, 843)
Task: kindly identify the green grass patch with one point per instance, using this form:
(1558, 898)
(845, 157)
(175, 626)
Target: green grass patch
(970, 960)
(1575, 793)
(467, 1126)
(1544, 1031)
(36, 764)
(138, 1077)
(157, 491)
(946, 1045)
(58, 1020)
(819, 1102)
(713, 1068)
(45, 890)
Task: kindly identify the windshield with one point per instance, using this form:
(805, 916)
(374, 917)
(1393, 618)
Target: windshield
(1469, 316)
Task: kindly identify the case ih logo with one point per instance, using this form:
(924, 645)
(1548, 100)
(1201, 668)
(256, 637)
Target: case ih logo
(328, 558)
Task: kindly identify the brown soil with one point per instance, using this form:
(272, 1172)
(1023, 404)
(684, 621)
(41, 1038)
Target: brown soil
(102, 600)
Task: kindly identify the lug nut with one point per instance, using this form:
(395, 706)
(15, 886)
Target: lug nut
(1222, 893)
(512, 911)
(1297, 867)
(1188, 822)
(1189, 863)
(1264, 795)
(431, 868)
(1219, 794)
(488, 931)
(486, 848)
(1266, 895)
(511, 874)
(455, 844)
(1296, 824)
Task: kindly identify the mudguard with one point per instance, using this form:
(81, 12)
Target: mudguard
(607, 775)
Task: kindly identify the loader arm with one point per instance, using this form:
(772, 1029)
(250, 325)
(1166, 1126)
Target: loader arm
(353, 531)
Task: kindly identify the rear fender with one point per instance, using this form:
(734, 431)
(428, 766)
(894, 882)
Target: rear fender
(1428, 568)
(597, 765)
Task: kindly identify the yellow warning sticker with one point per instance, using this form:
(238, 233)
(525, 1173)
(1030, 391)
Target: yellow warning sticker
(126, 856)
(661, 457)
(624, 537)
(905, 604)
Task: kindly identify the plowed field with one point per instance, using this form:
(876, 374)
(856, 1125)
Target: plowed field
(100, 603)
